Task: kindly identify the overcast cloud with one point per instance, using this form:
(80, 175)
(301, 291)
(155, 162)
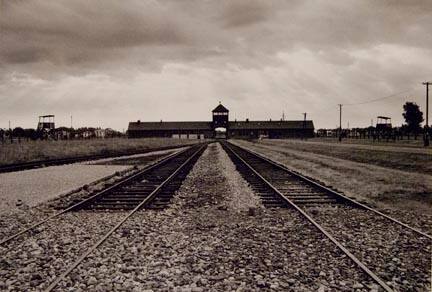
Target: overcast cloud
(109, 62)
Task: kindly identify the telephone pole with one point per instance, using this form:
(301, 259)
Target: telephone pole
(304, 125)
(10, 133)
(426, 128)
(340, 122)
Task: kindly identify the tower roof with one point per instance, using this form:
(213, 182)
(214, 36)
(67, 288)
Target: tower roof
(220, 109)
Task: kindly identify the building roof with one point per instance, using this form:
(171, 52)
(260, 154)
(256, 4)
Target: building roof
(220, 109)
(156, 126)
(267, 125)
(240, 125)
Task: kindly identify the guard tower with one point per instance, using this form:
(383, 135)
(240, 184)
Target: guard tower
(383, 124)
(220, 117)
(220, 121)
(46, 123)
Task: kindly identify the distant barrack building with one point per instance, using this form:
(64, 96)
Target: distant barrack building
(221, 127)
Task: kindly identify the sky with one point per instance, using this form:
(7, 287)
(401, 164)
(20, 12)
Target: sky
(109, 62)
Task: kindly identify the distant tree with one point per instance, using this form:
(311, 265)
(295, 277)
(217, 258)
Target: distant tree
(18, 132)
(413, 117)
(31, 134)
(63, 129)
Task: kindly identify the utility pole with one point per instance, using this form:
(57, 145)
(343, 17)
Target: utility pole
(340, 122)
(71, 122)
(304, 125)
(426, 127)
(10, 133)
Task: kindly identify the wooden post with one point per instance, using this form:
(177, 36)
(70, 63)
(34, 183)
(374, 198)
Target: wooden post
(426, 127)
(340, 122)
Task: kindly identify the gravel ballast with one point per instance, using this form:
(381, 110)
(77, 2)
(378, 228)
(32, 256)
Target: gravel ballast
(206, 241)
(30, 263)
(399, 256)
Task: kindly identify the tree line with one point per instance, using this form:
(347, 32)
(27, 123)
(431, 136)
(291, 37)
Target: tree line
(61, 133)
(412, 115)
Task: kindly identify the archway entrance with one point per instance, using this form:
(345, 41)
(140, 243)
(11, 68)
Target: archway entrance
(220, 133)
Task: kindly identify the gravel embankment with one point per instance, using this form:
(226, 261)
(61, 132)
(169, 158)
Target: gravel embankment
(241, 197)
(207, 241)
(399, 256)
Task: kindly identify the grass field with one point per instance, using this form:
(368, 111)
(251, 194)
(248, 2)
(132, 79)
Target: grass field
(399, 143)
(40, 150)
(417, 160)
(398, 179)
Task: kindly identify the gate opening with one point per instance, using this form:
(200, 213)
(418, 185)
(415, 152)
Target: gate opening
(220, 133)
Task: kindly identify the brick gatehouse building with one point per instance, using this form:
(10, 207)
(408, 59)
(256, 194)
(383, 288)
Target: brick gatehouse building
(221, 127)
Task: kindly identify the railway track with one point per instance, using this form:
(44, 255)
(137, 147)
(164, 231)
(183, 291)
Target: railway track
(128, 194)
(151, 187)
(279, 187)
(51, 162)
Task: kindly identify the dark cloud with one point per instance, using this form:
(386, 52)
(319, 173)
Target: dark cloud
(248, 33)
(244, 13)
(79, 32)
(310, 52)
(25, 55)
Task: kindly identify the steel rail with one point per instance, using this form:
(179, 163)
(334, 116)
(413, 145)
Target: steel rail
(123, 181)
(328, 190)
(109, 233)
(68, 160)
(322, 230)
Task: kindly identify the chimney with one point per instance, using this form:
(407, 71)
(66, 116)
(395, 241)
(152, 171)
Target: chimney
(139, 121)
(247, 120)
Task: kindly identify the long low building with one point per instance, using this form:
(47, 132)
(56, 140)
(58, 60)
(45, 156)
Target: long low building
(170, 129)
(221, 127)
